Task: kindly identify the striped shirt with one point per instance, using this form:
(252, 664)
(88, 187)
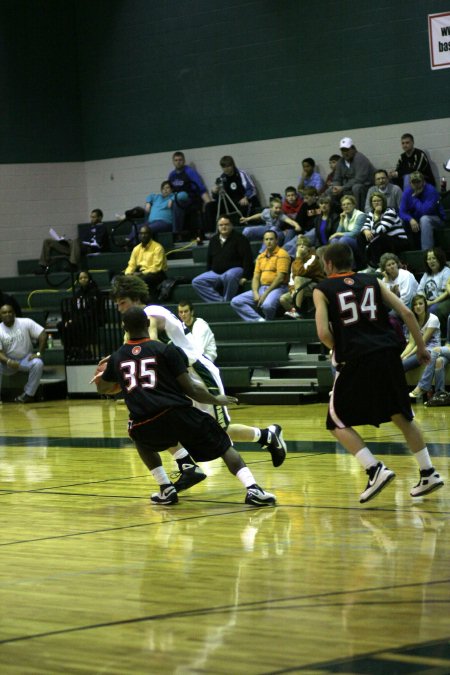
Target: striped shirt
(389, 224)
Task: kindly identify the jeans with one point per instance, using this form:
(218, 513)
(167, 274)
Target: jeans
(213, 287)
(436, 368)
(244, 305)
(34, 368)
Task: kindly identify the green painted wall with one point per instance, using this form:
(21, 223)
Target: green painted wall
(106, 78)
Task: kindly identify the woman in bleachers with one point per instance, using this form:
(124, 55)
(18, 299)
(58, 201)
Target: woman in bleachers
(383, 231)
(400, 281)
(435, 284)
(440, 359)
(430, 329)
(326, 223)
(351, 221)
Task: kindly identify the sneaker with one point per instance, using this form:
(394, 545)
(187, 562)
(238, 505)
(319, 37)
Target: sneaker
(188, 477)
(257, 497)
(379, 477)
(293, 314)
(166, 495)
(442, 398)
(275, 444)
(429, 481)
(24, 398)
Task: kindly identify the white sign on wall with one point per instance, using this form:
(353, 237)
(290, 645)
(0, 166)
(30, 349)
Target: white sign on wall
(439, 34)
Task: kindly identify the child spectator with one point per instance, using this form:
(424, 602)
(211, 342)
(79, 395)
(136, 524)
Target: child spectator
(306, 270)
(292, 202)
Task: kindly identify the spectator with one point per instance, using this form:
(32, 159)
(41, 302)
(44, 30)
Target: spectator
(239, 187)
(392, 192)
(326, 223)
(421, 211)
(334, 159)
(411, 160)
(440, 358)
(6, 299)
(273, 220)
(353, 175)
(190, 192)
(201, 332)
(399, 281)
(17, 353)
(268, 284)
(304, 221)
(292, 202)
(351, 221)
(159, 209)
(93, 239)
(309, 177)
(306, 270)
(435, 284)
(78, 327)
(429, 328)
(383, 231)
(148, 261)
(229, 264)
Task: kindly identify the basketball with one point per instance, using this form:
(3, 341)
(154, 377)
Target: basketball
(114, 387)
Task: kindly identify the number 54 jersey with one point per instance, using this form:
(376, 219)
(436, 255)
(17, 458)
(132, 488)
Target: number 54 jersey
(358, 318)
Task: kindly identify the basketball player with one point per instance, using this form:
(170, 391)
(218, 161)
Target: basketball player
(370, 385)
(153, 377)
(128, 291)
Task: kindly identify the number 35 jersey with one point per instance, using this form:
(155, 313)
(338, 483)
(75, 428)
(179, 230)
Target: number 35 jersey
(358, 318)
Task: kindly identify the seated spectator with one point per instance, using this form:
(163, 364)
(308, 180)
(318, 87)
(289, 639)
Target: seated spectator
(200, 330)
(78, 328)
(411, 160)
(273, 220)
(190, 193)
(382, 232)
(392, 192)
(399, 281)
(17, 353)
(326, 223)
(351, 221)
(305, 221)
(435, 284)
(430, 329)
(92, 240)
(292, 202)
(148, 261)
(229, 264)
(421, 211)
(353, 174)
(309, 177)
(158, 207)
(306, 271)
(238, 186)
(269, 282)
(6, 299)
(440, 359)
(334, 159)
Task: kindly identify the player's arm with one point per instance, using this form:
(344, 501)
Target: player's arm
(408, 317)
(322, 322)
(200, 394)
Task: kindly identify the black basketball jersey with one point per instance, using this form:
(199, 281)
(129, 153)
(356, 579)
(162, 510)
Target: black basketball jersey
(146, 371)
(358, 318)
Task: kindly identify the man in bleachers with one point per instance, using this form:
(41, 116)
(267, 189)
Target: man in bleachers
(17, 352)
(392, 192)
(148, 261)
(421, 211)
(92, 239)
(353, 174)
(229, 264)
(189, 190)
(270, 281)
(238, 185)
(411, 160)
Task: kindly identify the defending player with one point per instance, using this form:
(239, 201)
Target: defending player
(370, 385)
(156, 385)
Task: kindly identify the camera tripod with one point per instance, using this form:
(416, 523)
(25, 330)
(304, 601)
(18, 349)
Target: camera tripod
(228, 204)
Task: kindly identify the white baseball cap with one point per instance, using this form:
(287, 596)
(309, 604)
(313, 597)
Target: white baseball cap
(345, 142)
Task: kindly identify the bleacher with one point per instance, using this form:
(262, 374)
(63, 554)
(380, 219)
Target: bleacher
(277, 361)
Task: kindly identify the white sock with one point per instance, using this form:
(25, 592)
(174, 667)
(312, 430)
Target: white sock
(160, 476)
(423, 459)
(365, 458)
(179, 454)
(256, 434)
(245, 476)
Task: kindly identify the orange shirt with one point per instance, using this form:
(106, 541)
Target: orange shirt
(268, 265)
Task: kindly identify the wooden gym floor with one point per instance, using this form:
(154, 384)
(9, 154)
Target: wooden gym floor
(94, 579)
